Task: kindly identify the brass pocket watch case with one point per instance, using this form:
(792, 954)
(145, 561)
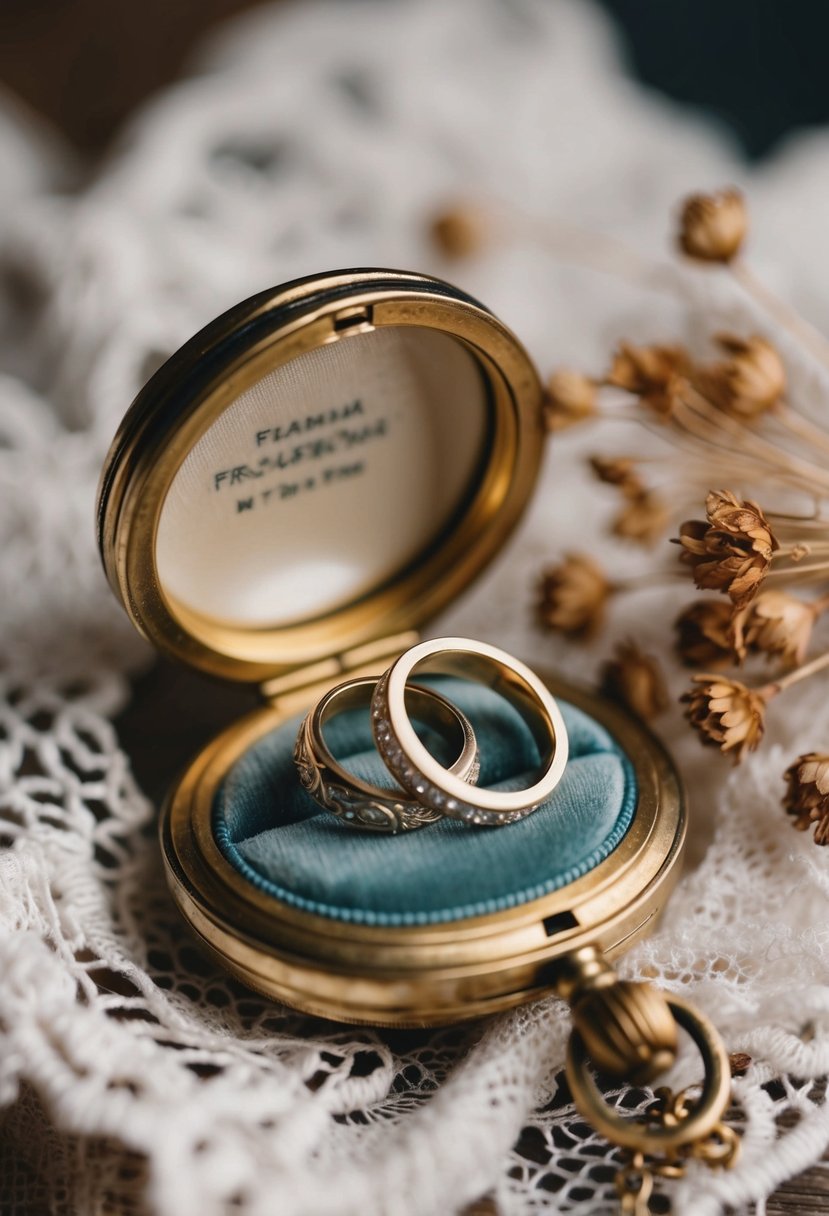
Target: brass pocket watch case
(292, 496)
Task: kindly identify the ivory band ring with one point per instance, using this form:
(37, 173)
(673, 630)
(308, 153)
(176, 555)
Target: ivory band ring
(356, 803)
(418, 771)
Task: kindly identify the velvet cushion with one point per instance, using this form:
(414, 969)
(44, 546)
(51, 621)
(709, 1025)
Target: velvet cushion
(273, 832)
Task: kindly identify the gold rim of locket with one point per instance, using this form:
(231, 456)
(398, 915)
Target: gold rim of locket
(186, 396)
(426, 974)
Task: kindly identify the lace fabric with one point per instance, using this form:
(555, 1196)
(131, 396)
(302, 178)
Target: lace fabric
(134, 1075)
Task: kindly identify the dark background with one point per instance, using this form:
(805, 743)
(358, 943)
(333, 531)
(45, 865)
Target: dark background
(759, 65)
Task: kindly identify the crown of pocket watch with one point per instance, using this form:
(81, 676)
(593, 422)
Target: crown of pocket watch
(627, 1026)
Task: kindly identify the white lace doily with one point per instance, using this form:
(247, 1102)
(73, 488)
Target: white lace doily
(134, 1077)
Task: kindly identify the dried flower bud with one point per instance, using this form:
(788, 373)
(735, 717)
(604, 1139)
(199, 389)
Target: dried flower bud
(704, 635)
(635, 680)
(654, 373)
(712, 227)
(732, 550)
(644, 518)
(617, 471)
(573, 596)
(739, 1062)
(727, 714)
(460, 232)
(778, 624)
(749, 382)
(807, 796)
(570, 397)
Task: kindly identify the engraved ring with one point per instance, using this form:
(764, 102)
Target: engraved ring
(418, 771)
(355, 802)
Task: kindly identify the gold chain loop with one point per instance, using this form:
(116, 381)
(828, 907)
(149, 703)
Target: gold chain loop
(675, 1128)
(634, 1186)
(685, 1124)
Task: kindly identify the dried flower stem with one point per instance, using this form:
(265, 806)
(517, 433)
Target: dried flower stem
(794, 677)
(768, 453)
(799, 550)
(691, 409)
(748, 438)
(696, 432)
(653, 578)
(709, 465)
(798, 424)
(582, 247)
(820, 605)
(797, 569)
(780, 311)
(789, 522)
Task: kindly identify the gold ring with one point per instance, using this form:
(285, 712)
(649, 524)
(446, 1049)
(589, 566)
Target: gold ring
(355, 802)
(702, 1116)
(418, 771)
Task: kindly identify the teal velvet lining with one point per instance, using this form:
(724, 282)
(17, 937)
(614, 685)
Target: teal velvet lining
(275, 835)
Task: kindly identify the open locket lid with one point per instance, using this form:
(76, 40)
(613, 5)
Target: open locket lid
(324, 465)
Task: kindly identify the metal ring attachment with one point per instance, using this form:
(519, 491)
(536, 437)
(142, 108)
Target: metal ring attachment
(702, 1116)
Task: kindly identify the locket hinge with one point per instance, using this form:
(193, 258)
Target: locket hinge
(372, 658)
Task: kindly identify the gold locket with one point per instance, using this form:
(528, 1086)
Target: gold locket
(292, 496)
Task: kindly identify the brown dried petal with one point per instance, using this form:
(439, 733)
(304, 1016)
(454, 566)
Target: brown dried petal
(460, 232)
(725, 510)
(749, 382)
(573, 596)
(643, 519)
(704, 635)
(654, 373)
(807, 794)
(617, 471)
(635, 680)
(778, 624)
(726, 713)
(712, 227)
(739, 1062)
(570, 397)
(732, 551)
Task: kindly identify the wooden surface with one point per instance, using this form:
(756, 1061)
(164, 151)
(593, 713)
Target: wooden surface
(86, 64)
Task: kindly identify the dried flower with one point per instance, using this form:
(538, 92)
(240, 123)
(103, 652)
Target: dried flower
(712, 227)
(704, 635)
(749, 382)
(807, 796)
(727, 714)
(776, 624)
(460, 232)
(644, 518)
(617, 471)
(573, 596)
(732, 550)
(654, 373)
(635, 680)
(739, 1062)
(729, 418)
(570, 397)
